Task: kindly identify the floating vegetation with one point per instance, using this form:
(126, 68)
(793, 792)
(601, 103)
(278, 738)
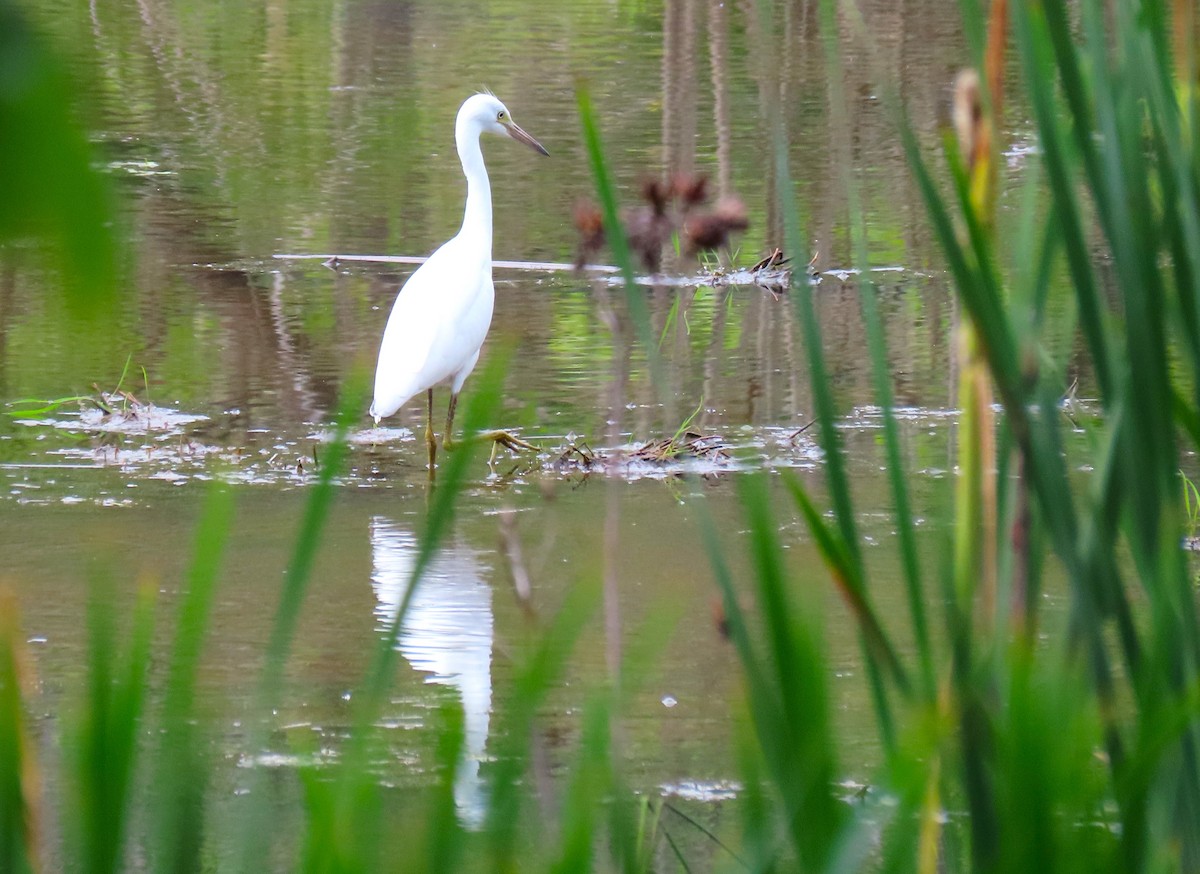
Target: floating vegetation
(689, 444)
(41, 406)
(703, 791)
(118, 410)
(576, 455)
(772, 272)
(687, 450)
(143, 443)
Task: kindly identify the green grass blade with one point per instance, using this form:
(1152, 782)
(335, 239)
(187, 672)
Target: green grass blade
(999, 346)
(105, 742)
(482, 403)
(18, 775)
(535, 675)
(878, 647)
(52, 189)
(880, 366)
(316, 512)
(255, 835)
(790, 704)
(352, 812)
(182, 766)
(589, 783)
(614, 232)
(42, 406)
(1034, 42)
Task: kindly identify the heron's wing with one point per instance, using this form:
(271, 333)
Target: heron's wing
(434, 327)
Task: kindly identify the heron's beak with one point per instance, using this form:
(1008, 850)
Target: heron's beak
(515, 131)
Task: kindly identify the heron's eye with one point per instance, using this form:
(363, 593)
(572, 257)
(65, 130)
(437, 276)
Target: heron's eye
(500, 116)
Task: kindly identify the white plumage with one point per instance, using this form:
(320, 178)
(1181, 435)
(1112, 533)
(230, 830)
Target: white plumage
(442, 314)
(437, 326)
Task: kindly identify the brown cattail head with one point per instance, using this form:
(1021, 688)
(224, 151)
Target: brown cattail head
(720, 620)
(711, 230)
(589, 221)
(968, 115)
(690, 189)
(656, 193)
(648, 232)
(733, 212)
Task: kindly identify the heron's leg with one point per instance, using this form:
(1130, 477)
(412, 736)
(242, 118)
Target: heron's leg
(448, 438)
(430, 438)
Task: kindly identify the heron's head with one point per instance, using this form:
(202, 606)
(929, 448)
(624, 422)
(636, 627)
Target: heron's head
(486, 113)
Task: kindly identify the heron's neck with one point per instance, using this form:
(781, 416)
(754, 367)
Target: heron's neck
(477, 217)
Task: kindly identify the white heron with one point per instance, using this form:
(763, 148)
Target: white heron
(442, 313)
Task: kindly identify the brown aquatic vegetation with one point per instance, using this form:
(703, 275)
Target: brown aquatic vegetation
(774, 261)
(690, 189)
(686, 444)
(711, 230)
(576, 456)
(590, 224)
(670, 209)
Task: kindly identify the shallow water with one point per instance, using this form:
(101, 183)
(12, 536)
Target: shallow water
(241, 132)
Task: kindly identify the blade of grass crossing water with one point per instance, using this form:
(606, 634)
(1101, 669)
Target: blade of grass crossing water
(878, 647)
(589, 782)
(254, 836)
(1077, 95)
(481, 405)
(316, 512)
(880, 367)
(442, 833)
(823, 398)
(19, 789)
(1035, 47)
(105, 742)
(975, 28)
(534, 676)
(773, 684)
(614, 233)
(792, 712)
(352, 811)
(182, 766)
(999, 346)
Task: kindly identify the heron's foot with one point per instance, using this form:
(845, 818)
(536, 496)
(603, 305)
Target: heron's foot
(507, 440)
(496, 438)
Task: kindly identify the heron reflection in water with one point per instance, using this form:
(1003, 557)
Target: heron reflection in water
(447, 633)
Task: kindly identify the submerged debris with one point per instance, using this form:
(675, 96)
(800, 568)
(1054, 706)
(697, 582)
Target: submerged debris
(684, 445)
(575, 455)
(689, 445)
(773, 261)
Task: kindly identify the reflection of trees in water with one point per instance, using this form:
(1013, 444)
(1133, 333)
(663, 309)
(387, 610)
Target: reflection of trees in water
(779, 47)
(323, 124)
